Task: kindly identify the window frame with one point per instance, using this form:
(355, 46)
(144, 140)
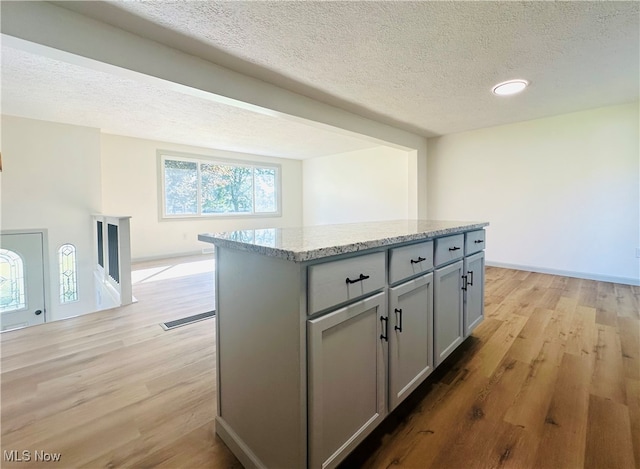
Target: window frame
(207, 159)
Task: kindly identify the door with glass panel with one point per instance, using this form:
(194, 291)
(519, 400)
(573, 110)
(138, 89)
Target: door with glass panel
(22, 280)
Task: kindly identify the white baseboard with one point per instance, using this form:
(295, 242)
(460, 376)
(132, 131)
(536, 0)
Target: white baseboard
(567, 273)
(238, 447)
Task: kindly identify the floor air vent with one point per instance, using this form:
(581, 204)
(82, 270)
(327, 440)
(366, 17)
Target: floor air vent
(188, 320)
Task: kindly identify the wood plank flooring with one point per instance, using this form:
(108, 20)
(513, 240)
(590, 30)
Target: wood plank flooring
(112, 389)
(550, 379)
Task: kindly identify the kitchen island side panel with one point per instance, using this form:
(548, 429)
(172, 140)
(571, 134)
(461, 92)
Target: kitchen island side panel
(261, 357)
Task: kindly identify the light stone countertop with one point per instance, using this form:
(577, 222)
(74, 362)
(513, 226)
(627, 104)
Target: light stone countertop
(316, 242)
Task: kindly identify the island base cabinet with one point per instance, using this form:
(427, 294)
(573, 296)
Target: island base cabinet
(317, 343)
(347, 378)
(411, 337)
(448, 327)
(474, 293)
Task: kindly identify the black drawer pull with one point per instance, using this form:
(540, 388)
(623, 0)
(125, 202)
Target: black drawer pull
(385, 336)
(398, 311)
(478, 241)
(471, 273)
(420, 259)
(465, 282)
(359, 279)
(455, 248)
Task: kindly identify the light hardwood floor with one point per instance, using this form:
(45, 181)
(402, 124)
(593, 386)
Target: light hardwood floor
(551, 378)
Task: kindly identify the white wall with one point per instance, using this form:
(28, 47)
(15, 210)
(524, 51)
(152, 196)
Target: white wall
(51, 179)
(562, 194)
(90, 43)
(130, 187)
(362, 185)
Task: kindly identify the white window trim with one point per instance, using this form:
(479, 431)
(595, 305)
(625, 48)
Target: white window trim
(193, 158)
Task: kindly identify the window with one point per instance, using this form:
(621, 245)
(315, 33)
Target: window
(12, 296)
(207, 187)
(113, 248)
(68, 273)
(100, 242)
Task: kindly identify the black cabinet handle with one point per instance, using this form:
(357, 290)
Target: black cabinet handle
(478, 241)
(398, 311)
(385, 336)
(38, 312)
(465, 283)
(420, 259)
(359, 279)
(455, 248)
(470, 272)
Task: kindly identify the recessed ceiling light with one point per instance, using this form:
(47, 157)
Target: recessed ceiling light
(510, 87)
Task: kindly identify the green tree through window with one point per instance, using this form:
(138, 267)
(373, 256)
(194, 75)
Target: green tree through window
(265, 190)
(226, 189)
(209, 188)
(180, 187)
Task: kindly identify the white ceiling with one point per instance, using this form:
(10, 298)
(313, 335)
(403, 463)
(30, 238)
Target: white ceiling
(427, 67)
(43, 88)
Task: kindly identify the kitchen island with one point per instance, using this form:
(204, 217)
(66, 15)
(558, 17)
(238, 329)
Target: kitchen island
(322, 331)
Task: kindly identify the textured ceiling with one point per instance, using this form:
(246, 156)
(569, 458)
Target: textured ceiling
(427, 67)
(42, 88)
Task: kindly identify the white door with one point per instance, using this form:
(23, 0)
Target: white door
(22, 292)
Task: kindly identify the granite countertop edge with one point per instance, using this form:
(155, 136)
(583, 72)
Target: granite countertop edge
(315, 253)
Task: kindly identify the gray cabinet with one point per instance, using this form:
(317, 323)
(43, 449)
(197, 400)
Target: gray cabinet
(347, 378)
(474, 292)
(474, 242)
(410, 336)
(312, 354)
(448, 249)
(337, 282)
(448, 327)
(410, 261)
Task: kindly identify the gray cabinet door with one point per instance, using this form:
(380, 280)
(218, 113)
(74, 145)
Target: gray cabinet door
(474, 295)
(347, 378)
(410, 337)
(448, 330)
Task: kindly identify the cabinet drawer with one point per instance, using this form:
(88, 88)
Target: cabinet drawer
(335, 282)
(407, 261)
(449, 249)
(473, 242)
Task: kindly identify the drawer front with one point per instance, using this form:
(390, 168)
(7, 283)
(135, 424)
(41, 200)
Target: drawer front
(449, 249)
(473, 242)
(407, 261)
(335, 282)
